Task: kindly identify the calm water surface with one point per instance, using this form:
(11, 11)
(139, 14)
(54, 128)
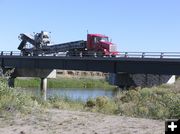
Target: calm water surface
(82, 94)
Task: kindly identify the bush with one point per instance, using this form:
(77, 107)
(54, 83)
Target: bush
(12, 100)
(90, 103)
(101, 101)
(157, 103)
(101, 104)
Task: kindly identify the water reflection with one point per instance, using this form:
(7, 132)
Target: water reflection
(82, 94)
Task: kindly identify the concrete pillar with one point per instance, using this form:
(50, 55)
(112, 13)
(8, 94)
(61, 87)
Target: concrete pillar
(11, 82)
(43, 88)
(112, 78)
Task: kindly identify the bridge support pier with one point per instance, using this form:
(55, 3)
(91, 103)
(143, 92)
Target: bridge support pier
(43, 88)
(43, 74)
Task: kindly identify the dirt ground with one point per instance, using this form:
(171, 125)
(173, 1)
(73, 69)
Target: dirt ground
(75, 122)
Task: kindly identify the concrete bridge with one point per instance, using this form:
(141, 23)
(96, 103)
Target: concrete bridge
(123, 65)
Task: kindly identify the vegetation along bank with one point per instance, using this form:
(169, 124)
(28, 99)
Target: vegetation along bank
(157, 103)
(65, 83)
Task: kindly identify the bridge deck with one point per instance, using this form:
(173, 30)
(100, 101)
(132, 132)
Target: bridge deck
(104, 64)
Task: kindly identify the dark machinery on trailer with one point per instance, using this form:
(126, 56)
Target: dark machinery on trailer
(39, 43)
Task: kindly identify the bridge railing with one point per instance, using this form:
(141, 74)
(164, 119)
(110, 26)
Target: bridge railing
(149, 54)
(120, 55)
(10, 53)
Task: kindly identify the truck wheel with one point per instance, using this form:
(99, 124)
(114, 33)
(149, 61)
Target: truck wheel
(99, 54)
(68, 54)
(24, 54)
(35, 54)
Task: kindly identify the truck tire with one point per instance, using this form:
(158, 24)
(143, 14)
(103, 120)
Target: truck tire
(24, 54)
(99, 54)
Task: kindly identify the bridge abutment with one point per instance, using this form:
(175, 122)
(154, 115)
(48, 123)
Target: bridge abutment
(143, 80)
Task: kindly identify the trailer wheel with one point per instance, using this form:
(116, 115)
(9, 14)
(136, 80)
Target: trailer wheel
(71, 53)
(67, 54)
(24, 53)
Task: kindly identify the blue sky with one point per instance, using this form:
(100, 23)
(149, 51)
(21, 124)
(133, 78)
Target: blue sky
(134, 25)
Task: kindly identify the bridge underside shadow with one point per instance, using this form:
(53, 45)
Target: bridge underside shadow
(140, 80)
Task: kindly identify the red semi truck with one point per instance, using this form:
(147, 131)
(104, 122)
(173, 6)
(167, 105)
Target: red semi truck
(100, 44)
(96, 45)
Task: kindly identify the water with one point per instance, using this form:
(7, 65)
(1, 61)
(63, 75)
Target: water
(75, 94)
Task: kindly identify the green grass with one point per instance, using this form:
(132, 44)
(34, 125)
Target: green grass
(27, 83)
(65, 83)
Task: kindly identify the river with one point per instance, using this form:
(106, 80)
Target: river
(75, 93)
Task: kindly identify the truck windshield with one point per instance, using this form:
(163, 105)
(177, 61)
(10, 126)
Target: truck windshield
(105, 39)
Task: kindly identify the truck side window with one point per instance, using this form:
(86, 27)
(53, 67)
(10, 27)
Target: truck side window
(96, 40)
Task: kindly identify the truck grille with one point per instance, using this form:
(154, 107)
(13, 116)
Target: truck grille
(112, 48)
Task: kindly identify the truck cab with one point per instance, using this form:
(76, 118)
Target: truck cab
(101, 44)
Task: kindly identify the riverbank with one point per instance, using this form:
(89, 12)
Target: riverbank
(155, 103)
(65, 83)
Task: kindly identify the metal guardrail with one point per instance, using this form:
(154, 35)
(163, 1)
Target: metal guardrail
(10, 53)
(175, 55)
(149, 54)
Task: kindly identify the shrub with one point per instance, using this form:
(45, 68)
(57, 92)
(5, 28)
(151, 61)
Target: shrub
(90, 103)
(156, 102)
(12, 100)
(101, 104)
(101, 101)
